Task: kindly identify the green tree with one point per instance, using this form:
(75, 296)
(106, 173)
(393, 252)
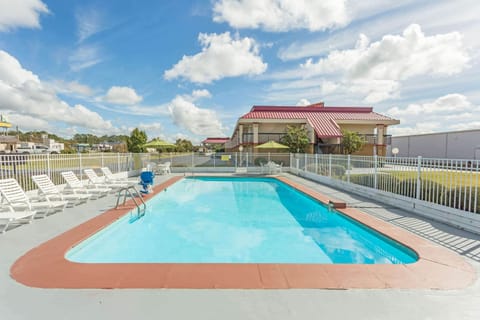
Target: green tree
(183, 145)
(136, 141)
(296, 139)
(86, 138)
(351, 142)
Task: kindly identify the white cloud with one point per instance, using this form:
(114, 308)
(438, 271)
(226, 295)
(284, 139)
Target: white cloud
(122, 95)
(154, 129)
(303, 102)
(197, 94)
(28, 122)
(25, 13)
(396, 57)
(222, 56)
(85, 57)
(198, 121)
(23, 94)
(371, 90)
(449, 112)
(89, 22)
(282, 15)
(380, 17)
(375, 71)
(72, 87)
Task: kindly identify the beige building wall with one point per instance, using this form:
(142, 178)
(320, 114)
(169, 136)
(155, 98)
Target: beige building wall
(362, 129)
(272, 128)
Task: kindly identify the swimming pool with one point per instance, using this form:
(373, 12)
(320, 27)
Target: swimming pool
(238, 220)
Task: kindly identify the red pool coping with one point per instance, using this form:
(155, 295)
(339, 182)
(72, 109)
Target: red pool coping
(46, 267)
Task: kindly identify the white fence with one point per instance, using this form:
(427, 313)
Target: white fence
(23, 166)
(443, 189)
(432, 187)
(451, 183)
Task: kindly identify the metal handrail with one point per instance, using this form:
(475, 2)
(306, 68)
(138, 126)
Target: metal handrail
(136, 194)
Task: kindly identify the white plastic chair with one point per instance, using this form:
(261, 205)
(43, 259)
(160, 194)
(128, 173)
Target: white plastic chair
(74, 185)
(110, 177)
(164, 168)
(48, 190)
(273, 167)
(94, 179)
(15, 217)
(18, 200)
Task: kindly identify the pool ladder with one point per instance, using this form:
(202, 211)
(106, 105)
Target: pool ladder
(133, 195)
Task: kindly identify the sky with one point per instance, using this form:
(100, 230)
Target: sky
(190, 69)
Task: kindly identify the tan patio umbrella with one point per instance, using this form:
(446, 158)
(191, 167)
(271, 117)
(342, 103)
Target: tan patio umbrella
(158, 144)
(271, 145)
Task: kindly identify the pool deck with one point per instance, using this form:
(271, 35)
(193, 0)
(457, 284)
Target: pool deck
(21, 302)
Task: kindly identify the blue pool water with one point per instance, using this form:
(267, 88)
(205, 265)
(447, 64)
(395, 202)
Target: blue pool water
(238, 220)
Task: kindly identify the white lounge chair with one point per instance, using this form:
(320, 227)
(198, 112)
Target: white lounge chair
(76, 186)
(18, 200)
(10, 216)
(110, 177)
(95, 180)
(273, 167)
(48, 190)
(164, 168)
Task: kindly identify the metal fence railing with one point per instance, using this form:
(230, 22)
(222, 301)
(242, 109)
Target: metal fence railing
(227, 160)
(23, 166)
(446, 182)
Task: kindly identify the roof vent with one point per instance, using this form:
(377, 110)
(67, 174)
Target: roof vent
(317, 105)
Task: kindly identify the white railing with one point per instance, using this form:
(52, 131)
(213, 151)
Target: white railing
(23, 166)
(441, 189)
(224, 161)
(443, 182)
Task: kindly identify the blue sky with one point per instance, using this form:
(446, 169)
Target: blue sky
(189, 69)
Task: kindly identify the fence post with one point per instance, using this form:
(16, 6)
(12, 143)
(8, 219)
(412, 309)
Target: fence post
(118, 161)
(193, 160)
(316, 163)
(375, 166)
(348, 168)
(291, 160)
(329, 165)
(48, 165)
(305, 162)
(102, 160)
(246, 159)
(80, 165)
(419, 177)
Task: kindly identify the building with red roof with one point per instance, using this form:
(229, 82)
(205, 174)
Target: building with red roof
(324, 124)
(215, 143)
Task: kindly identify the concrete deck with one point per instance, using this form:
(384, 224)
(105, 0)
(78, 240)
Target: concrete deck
(20, 302)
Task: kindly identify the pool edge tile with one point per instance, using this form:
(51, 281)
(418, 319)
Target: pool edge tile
(45, 266)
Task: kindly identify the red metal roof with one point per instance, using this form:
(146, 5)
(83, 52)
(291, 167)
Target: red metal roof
(322, 119)
(215, 140)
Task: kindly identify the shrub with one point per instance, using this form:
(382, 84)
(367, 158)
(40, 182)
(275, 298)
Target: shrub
(385, 182)
(430, 191)
(357, 163)
(337, 170)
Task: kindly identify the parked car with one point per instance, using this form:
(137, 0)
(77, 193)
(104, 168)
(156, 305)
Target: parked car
(36, 148)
